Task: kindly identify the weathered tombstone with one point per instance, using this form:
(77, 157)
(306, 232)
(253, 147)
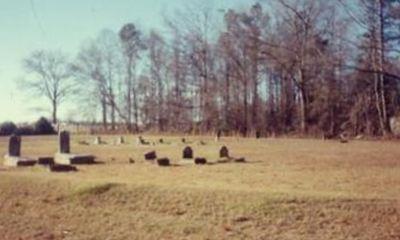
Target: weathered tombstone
(120, 140)
(258, 134)
(224, 152)
(13, 157)
(164, 162)
(218, 135)
(150, 156)
(45, 161)
(240, 160)
(62, 168)
(131, 161)
(359, 137)
(187, 153)
(395, 125)
(139, 140)
(97, 140)
(14, 146)
(161, 140)
(200, 161)
(183, 140)
(64, 144)
(64, 156)
(344, 138)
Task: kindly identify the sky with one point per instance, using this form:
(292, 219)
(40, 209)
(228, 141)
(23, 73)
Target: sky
(28, 25)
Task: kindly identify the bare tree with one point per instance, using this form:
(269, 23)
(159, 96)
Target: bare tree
(50, 77)
(132, 44)
(97, 67)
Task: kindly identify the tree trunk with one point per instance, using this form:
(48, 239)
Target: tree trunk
(381, 62)
(303, 111)
(54, 105)
(227, 96)
(104, 112)
(136, 110)
(129, 96)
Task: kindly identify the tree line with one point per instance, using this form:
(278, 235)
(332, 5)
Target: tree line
(310, 67)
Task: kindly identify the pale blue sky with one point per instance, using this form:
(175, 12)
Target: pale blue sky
(26, 25)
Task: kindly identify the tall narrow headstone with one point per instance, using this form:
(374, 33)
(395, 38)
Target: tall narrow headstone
(218, 135)
(13, 157)
(64, 156)
(14, 146)
(64, 142)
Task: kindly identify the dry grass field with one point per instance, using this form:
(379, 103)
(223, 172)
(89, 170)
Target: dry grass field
(288, 189)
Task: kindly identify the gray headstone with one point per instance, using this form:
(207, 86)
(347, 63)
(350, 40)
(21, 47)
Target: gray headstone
(140, 141)
(187, 153)
(97, 140)
(14, 147)
(121, 140)
(64, 146)
(224, 152)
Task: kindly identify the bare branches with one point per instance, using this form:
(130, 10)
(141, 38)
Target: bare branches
(52, 77)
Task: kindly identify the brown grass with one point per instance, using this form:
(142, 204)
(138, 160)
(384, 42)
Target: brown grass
(288, 189)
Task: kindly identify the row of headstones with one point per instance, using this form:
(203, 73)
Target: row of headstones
(142, 141)
(14, 151)
(187, 154)
(139, 141)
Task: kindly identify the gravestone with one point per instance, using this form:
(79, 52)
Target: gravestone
(150, 156)
(139, 140)
(258, 134)
(344, 138)
(14, 146)
(97, 140)
(161, 141)
(224, 152)
(13, 157)
(183, 140)
(240, 160)
(62, 168)
(187, 153)
(218, 135)
(64, 156)
(120, 140)
(64, 144)
(45, 160)
(163, 162)
(200, 161)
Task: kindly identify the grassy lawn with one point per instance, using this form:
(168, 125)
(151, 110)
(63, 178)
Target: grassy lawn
(288, 189)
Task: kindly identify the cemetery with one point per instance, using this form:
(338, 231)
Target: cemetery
(200, 120)
(252, 185)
